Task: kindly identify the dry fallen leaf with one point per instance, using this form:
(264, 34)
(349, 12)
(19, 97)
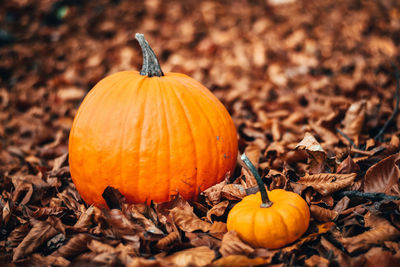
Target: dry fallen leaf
(383, 176)
(188, 221)
(381, 231)
(218, 210)
(232, 245)
(316, 153)
(322, 214)
(240, 261)
(199, 256)
(327, 183)
(40, 233)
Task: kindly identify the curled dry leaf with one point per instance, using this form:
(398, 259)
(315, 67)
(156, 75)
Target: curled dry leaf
(317, 155)
(40, 233)
(17, 235)
(218, 227)
(45, 211)
(348, 166)
(240, 261)
(322, 214)
(75, 246)
(147, 224)
(233, 245)
(199, 256)
(99, 247)
(379, 257)
(168, 240)
(383, 176)
(233, 192)
(85, 218)
(218, 210)
(382, 230)
(213, 193)
(188, 221)
(163, 211)
(322, 229)
(327, 183)
(113, 197)
(316, 260)
(202, 239)
(123, 228)
(354, 119)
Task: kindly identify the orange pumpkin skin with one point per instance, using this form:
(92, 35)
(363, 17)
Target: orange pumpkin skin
(150, 137)
(273, 227)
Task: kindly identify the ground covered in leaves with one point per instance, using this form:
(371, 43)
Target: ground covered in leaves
(311, 88)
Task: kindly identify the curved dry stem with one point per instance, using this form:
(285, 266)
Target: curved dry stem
(151, 66)
(246, 163)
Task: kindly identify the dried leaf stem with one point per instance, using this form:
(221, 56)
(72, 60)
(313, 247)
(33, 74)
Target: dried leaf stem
(396, 108)
(246, 163)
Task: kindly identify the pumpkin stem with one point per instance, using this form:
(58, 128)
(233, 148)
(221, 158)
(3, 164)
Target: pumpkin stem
(246, 163)
(150, 66)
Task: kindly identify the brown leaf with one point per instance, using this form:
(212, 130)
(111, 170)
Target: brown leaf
(322, 214)
(316, 260)
(17, 235)
(113, 198)
(199, 256)
(348, 166)
(45, 211)
(322, 228)
(134, 213)
(75, 246)
(85, 219)
(342, 258)
(382, 176)
(168, 240)
(342, 204)
(218, 227)
(99, 247)
(354, 119)
(213, 193)
(327, 183)
(188, 221)
(381, 231)
(40, 233)
(379, 257)
(233, 192)
(163, 211)
(241, 261)
(232, 245)
(317, 155)
(123, 228)
(218, 210)
(202, 239)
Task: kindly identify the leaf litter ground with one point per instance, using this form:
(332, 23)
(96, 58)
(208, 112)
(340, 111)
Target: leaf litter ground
(311, 88)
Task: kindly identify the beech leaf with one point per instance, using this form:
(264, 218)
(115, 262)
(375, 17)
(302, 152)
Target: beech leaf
(327, 183)
(382, 176)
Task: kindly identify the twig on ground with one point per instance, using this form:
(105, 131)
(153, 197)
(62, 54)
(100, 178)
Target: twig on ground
(370, 196)
(396, 108)
(347, 138)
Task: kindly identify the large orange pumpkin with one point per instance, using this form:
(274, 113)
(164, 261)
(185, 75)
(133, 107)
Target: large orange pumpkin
(150, 135)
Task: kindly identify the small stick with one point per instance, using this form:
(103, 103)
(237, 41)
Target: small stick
(396, 108)
(370, 196)
(347, 138)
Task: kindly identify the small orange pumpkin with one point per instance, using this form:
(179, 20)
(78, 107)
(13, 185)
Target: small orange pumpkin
(150, 135)
(269, 220)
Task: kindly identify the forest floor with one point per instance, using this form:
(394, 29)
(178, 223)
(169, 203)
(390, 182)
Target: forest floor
(311, 87)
